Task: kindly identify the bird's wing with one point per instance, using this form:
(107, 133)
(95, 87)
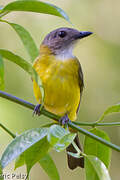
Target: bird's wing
(81, 82)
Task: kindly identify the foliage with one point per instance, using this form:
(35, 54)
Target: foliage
(95, 169)
(34, 145)
(96, 148)
(1, 73)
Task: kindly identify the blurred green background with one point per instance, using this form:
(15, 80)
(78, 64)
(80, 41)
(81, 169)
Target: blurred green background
(100, 59)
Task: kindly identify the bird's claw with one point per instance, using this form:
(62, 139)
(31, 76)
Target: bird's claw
(64, 120)
(37, 110)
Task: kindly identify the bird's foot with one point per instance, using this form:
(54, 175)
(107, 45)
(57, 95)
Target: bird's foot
(37, 110)
(64, 120)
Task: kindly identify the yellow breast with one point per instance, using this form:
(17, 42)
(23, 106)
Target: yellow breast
(61, 84)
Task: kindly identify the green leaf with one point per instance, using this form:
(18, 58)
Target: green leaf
(60, 138)
(110, 110)
(55, 133)
(27, 40)
(49, 167)
(1, 173)
(35, 6)
(1, 74)
(20, 161)
(35, 153)
(93, 147)
(95, 169)
(24, 65)
(64, 142)
(21, 143)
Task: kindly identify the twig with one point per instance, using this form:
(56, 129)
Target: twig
(55, 117)
(94, 124)
(87, 133)
(8, 131)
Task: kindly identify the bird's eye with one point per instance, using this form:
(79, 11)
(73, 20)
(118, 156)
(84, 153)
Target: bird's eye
(62, 34)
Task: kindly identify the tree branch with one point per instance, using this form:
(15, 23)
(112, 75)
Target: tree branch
(55, 117)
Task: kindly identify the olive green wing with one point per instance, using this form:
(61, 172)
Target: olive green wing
(80, 81)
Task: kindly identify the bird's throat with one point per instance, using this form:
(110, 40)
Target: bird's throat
(65, 55)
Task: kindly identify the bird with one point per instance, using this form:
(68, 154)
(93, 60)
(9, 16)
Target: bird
(62, 78)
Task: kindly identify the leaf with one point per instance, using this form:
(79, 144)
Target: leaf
(49, 167)
(22, 143)
(20, 161)
(1, 74)
(33, 154)
(95, 169)
(112, 109)
(45, 161)
(59, 138)
(27, 40)
(35, 6)
(24, 65)
(93, 147)
(64, 142)
(1, 173)
(56, 132)
(36, 152)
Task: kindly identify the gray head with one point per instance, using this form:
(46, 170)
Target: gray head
(62, 39)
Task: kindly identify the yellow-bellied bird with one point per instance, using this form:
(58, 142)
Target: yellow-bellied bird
(62, 78)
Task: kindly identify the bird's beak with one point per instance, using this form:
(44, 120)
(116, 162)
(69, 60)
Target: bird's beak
(82, 34)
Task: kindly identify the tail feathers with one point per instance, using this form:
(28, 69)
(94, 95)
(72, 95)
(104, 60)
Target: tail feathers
(72, 161)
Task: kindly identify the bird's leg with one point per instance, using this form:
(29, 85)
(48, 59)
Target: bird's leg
(37, 110)
(64, 120)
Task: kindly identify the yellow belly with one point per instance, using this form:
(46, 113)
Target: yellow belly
(60, 81)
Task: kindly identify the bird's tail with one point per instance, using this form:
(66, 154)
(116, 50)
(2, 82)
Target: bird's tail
(72, 161)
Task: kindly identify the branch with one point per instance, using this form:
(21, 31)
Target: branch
(27, 105)
(55, 117)
(93, 136)
(94, 124)
(8, 131)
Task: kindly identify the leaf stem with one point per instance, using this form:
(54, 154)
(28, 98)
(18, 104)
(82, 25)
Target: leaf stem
(55, 117)
(8, 131)
(76, 148)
